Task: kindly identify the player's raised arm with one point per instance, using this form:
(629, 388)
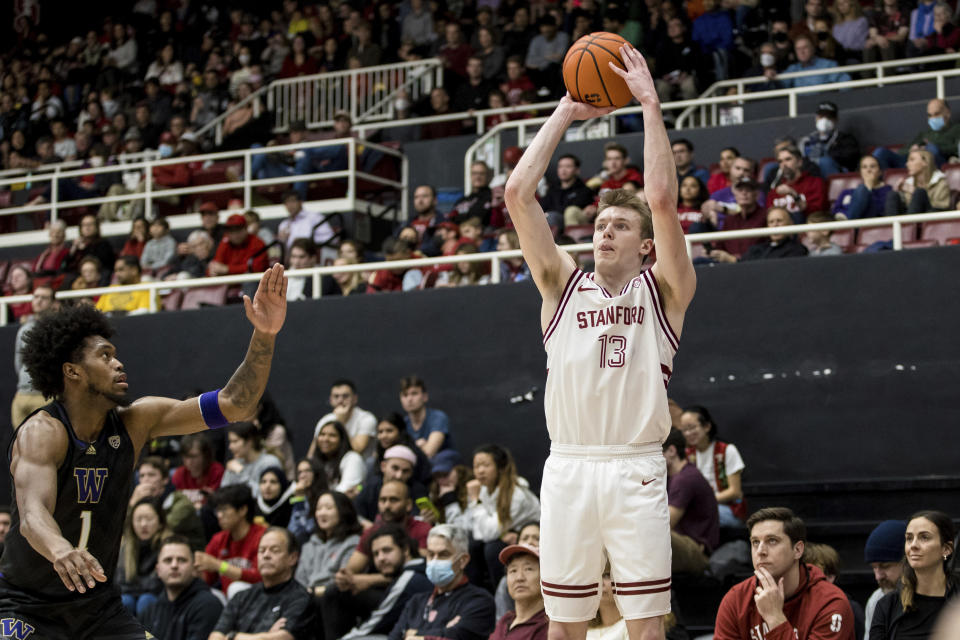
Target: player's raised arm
(549, 265)
(238, 399)
(39, 448)
(673, 269)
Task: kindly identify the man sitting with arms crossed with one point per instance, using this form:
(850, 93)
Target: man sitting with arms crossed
(455, 608)
(395, 557)
(187, 609)
(278, 608)
(787, 599)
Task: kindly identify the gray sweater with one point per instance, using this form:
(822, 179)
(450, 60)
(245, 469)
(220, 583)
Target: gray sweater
(158, 252)
(320, 561)
(251, 472)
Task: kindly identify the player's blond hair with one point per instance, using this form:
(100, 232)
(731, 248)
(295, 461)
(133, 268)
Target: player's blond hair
(627, 200)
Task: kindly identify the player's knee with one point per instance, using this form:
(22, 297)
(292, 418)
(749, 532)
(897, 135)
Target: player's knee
(567, 630)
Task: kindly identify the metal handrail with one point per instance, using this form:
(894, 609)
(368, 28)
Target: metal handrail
(494, 258)
(790, 94)
(247, 183)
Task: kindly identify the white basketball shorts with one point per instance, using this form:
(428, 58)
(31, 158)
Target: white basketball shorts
(599, 503)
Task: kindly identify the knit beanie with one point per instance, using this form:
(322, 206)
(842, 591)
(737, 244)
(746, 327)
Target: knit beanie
(885, 543)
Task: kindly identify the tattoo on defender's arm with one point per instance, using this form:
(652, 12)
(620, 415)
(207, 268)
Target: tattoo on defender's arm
(250, 379)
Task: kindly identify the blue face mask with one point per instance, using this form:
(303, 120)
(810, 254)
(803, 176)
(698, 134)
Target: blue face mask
(165, 150)
(440, 572)
(936, 123)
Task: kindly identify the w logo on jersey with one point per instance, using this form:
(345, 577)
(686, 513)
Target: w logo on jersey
(90, 484)
(13, 628)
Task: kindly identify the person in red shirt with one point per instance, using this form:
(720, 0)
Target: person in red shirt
(199, 475)
(231, 555)
(746, 213)
(721, 179)
(529, 620)
(239, 252)
(454, 51)
(786, 598)
(796, 190)
(517, 81)
(615, 159)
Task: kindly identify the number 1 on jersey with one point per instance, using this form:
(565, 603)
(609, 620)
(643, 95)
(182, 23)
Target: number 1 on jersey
(617, 351)
(86, 519)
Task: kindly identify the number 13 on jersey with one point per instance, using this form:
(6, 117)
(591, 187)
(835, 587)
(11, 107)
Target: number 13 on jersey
(613, 351)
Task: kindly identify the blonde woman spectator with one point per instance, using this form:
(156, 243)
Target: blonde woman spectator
(850, 27)
(465, 273)
(924, 189)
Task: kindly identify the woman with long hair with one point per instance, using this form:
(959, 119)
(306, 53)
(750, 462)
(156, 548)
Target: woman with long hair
(311, 481)
(199, 475)
(329, 548)
(249, 459)
(868, 199)
(924, 189)
(691, 198)
(392, 430)
(465, 273)
(928, 581)
(344, 467)
(145, 527)
(137, 240)
(719, 462)
(273, 503)
(497, 500)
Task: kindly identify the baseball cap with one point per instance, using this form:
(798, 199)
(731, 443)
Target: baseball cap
(514, 549)
(189, 136)
(885, 542)
(827, 108)
(446, 224)
(342, 115)
(209, 207)
(445, 461)
(746, 182)
(400, 451)
(236, 220)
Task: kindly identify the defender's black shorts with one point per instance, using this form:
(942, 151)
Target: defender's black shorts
(97, 615)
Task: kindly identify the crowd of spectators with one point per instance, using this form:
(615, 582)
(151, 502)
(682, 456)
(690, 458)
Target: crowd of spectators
(383, 527)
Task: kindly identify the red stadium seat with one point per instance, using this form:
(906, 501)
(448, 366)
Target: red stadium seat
(943, 232)
(215, 296)
(870, 235)
(838, 182)
(843, 239)
(171, 301)
(919, 244)
(894, 177)
(580, 232)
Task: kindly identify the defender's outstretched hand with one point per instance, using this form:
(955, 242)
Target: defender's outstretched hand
(582, 110)
(268, 309)
(637, 75)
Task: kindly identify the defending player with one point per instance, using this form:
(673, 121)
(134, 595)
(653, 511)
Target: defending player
(610, 338)
(72, 466)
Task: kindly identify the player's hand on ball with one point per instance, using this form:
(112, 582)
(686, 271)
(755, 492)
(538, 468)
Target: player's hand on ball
(582, 110)
(637, 75)
(79, 570)
(268, 309)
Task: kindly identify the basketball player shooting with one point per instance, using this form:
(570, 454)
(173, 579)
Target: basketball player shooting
(610, 338)
(72, 466)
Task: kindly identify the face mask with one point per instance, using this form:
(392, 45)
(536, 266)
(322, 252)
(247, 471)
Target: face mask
(96, 161)
(244, 59)
(936, 123)
(779, 36)
(824, 125)
(401, 104)
(767, 60)
(440, 572)
(165, 151)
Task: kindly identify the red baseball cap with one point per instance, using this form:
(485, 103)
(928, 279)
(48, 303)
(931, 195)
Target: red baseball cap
(236, 220)
(515, 549)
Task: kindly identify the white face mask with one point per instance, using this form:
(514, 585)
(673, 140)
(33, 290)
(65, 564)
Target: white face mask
(767, 60)
(401, 104)
(244, 59)
(824, 125)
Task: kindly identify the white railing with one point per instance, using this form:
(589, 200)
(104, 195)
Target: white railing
(740, 84)
(494, 258)
(366, 93)
(26, 172)
(245, 186)
(487, 146)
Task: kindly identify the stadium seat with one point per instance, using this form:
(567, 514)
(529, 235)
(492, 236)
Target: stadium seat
(952, 172)
(919, 244)
(943, 232)
(172, 301)
(214, 296)
(580, 232)
(894, 177)
(870, 235)
(843, 239)
(838, 182)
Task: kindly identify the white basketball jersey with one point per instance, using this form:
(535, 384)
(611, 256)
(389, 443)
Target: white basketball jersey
(609, 359)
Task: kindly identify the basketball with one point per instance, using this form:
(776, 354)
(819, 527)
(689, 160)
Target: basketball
(587, 75)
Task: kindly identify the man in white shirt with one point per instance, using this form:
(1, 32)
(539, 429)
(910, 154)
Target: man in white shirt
(302, 223)
(361, 425)
(303, 255)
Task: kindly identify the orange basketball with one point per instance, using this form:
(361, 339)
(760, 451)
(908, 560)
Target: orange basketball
(587, 75)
